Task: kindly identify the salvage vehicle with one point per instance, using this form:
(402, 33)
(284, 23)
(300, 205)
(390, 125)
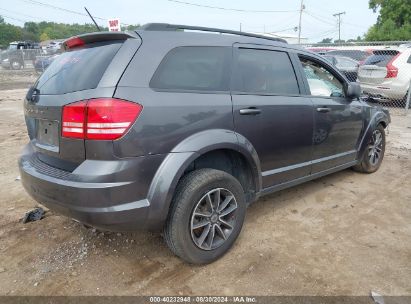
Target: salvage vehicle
(386, 75)
(348, 66)
(176, 130)
(19, 54)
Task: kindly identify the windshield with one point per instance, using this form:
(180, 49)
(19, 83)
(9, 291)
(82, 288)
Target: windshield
(77, 70)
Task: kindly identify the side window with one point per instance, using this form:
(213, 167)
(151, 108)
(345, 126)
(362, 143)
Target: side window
(321, 81)
(409, 59)
(265, 72)
(194, 68)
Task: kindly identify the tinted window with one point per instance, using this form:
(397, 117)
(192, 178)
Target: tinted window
(80, 69)
(321, 81)
(195, 69)
(409, 59)
(380, 58)
(265, 72)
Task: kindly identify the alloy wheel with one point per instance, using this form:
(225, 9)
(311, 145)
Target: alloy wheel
(375, 147)
(213, 219)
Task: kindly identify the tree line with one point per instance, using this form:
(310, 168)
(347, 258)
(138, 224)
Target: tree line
(42, 31)
(393, 23)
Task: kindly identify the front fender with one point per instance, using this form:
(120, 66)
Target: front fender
(171, 170)
(377, 116)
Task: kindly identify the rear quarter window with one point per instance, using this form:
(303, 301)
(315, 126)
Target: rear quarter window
(194, 68)
(79, 69)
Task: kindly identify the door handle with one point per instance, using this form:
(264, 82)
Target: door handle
(323, 110)
(250, 111)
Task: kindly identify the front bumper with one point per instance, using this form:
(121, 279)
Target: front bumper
(388, 92)
(109, 195)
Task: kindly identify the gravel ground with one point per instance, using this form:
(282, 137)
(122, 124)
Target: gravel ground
(344, 234)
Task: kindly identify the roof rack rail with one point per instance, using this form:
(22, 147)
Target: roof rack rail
(176, 27)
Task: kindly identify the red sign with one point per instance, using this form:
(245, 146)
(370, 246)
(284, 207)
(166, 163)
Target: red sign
(114, 25)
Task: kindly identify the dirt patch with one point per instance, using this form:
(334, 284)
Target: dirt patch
(10, 79)
(344, 234)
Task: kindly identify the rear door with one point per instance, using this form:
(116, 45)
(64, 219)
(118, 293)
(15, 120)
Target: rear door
(338, 121)
(86, 71)
(270, 112)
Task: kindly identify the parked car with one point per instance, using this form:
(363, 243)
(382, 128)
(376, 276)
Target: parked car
(386, 75)
(42, 62)
(320, 50)
(348, 66)
(179, 131)
(358, 55)
(19, 54)
(53, 47)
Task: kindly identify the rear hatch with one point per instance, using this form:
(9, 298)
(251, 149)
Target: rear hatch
(90, 68)
(378, 67)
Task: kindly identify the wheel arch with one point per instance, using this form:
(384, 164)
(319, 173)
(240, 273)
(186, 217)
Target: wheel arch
(182, 159)
(378, 117)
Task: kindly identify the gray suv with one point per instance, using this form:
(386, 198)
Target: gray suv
(178, 131)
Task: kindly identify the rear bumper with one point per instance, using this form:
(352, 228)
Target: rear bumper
(389, 90)
(109, 195)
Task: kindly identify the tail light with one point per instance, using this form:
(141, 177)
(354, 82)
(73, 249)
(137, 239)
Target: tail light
(101, 119)
(73, 42)
(392, 71)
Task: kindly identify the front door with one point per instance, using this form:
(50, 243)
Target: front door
(270, 112)
(338, 120)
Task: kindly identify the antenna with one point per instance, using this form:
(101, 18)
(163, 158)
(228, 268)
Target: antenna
(95, 23)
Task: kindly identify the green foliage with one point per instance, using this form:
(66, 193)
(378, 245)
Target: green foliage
(394, 20)
(9, 33)
(41, 31)
(326, 40)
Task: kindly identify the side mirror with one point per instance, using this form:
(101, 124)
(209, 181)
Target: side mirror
(353, 90)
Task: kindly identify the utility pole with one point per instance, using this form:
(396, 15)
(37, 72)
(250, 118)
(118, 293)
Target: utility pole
(339, 23)
(299, 24)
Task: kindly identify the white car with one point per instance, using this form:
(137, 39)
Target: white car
(386, 75)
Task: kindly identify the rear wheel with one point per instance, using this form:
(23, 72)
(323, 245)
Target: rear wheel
(206, 216)
(374, 152)
(16, 65)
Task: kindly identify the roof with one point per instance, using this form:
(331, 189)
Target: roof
(168, 29)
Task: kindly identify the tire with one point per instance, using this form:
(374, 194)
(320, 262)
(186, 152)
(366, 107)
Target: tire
(15, 65)
(404, 102)
(194, 193)
(369, 164)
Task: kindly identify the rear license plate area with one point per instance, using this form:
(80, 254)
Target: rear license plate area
(47, 134)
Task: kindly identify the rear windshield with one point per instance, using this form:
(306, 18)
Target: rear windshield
(380, 58)
(77, 70)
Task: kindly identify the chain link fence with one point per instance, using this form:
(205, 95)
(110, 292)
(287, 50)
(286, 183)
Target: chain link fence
(383, 70)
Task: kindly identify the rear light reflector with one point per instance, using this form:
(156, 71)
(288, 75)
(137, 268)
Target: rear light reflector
(392, 71)
(103, 118)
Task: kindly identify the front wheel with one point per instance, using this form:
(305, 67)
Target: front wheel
(206, 216)
(374, 153)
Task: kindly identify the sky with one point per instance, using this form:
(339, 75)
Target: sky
(318, 21)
